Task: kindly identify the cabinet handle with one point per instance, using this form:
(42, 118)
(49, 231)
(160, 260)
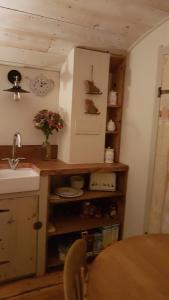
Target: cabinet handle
(4, 210)
(37, 225)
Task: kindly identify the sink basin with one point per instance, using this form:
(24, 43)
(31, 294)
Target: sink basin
(19, 180)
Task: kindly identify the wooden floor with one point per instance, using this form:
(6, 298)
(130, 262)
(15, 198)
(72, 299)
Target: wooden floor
(48, 287)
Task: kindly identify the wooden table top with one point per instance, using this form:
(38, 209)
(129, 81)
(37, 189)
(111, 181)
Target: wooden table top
(136, 268)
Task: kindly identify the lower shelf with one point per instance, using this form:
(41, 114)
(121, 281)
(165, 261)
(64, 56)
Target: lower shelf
(76, 223)
(55, 262)
(96, 240)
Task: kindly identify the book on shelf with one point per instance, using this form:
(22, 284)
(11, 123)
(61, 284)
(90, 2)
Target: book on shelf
(100, 238)
(110, 234)
(97, 245)
(97, 240)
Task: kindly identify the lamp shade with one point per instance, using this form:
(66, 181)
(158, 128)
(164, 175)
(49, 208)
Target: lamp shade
(15, 77)
(16, 89)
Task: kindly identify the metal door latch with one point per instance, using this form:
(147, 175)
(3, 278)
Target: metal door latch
(162, 92)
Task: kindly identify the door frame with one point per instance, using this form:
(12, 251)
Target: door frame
(161, 61)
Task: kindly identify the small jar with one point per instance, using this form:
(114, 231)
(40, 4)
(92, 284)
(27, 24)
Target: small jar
(109, 155)
(111, 125)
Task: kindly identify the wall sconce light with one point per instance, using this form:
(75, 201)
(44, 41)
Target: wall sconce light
(15, 78)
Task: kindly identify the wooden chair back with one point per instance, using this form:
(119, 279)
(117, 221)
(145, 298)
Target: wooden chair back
(74, 271)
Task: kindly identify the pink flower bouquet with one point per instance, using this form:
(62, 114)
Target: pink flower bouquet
(48, 121)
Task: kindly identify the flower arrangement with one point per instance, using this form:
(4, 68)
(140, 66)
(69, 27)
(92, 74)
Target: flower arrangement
(48, 121)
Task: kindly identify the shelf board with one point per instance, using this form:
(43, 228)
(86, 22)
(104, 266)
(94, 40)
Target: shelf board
(68, 224)
(53, 167)
(54, 261)
(113, 106)
(94, 93)
(112, 132)
(92, 113)
(88, 195)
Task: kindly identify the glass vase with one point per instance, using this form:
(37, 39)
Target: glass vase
(46, 150)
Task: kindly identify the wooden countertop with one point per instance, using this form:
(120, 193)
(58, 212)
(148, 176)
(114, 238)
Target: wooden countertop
(58, 167)
(136, 268)
(54, 167)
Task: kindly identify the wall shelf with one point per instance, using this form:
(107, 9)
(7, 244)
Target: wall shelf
(114, 112)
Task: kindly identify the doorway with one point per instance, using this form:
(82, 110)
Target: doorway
(159, 210)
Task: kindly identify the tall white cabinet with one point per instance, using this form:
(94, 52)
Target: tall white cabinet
(83, 138)
(18, 238)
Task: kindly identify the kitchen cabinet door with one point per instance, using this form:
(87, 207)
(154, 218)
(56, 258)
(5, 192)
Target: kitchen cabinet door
(18, 238)
(6, 233)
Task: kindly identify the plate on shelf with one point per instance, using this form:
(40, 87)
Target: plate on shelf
(68, 192)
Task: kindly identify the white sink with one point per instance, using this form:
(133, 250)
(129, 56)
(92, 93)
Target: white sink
(19, 180)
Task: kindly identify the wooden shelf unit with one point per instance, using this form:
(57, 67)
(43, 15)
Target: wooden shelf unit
(67, 224)
(114, 112)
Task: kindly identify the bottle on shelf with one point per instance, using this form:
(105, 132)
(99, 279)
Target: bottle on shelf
(86, 210)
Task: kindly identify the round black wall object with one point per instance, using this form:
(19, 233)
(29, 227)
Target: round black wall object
(12, 76)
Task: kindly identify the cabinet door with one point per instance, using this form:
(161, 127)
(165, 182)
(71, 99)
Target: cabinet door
(18, 239)
(7, 230)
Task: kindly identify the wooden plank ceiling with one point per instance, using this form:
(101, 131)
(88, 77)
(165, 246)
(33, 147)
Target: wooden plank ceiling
(40, 33)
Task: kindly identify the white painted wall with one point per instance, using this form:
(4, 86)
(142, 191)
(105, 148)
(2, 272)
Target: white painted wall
(18, 116)
(139, 121)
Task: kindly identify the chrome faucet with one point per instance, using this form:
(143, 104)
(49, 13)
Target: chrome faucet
(14, 161)
(16, 142)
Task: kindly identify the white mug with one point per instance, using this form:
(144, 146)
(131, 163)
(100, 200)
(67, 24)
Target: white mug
(77, 182)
